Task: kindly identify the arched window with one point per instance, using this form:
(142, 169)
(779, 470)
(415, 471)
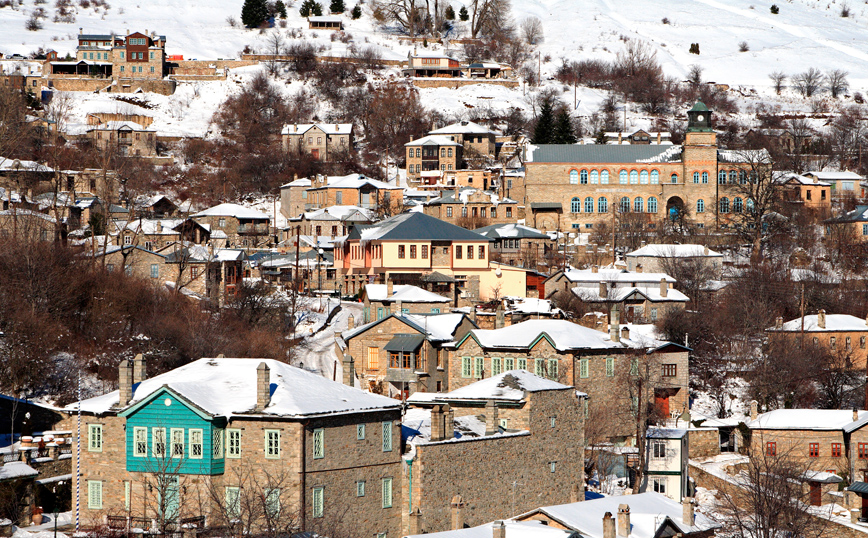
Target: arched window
(583, 177)
(748, 204)
(733, 176)
(705, 177)
(643, 177)
(639, 205)
(604, 177)
(622, 177)
(602, 205)
(674, 178)
(655, 177)
(742, 177)
(753, 176)
(724, 205)
(634, 177)
(696, 177)
(595, 177)
(700, 204)
(737, 205)
(589, 205)
(574, 177)
(624, 205)
(576, 205)
(721, 177)
(652, 205)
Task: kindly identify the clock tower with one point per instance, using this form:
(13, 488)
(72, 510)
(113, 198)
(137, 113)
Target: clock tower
(699, 118)
(700, 141)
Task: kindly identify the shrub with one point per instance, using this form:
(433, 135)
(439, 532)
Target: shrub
(33, 23)
(357, 12)
(665, 20)
(449, 13)
(743, 46)
(230, 20)
(775, 9)
(845, 11)
(694, 48)
(463, 14)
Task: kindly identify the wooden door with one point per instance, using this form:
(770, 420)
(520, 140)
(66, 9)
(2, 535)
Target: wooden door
(817, 494)
(314, 153)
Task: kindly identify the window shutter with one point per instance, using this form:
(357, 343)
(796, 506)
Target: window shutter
(387, 493)
(318, 446)
(583, 368)
(387, 436)
(94, 494)
(318, 502)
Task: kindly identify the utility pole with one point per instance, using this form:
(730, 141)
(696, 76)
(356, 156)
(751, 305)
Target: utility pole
(802, 313)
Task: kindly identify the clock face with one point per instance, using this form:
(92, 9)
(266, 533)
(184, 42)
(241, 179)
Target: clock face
(700, 117)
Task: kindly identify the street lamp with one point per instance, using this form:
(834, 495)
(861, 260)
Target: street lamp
(56, 508)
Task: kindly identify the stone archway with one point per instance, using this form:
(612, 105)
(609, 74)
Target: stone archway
(674, 208)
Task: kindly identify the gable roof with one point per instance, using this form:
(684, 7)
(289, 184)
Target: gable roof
(438, 327)
(414, 227)
(404, 293)
(327, 128)
(511, 385)
(232, 210)
(513, 529)
(561, 334)
(810, 419)
(834, 322)
(462, 127)
(860, 214)
(432, 140)
(622, 276)
(590, 294)
(511, 231)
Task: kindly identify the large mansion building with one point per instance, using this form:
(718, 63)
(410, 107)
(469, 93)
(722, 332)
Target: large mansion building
(581, 186)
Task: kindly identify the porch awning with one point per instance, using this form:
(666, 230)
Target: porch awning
(546, 206)
(858, 487)
(406, 343)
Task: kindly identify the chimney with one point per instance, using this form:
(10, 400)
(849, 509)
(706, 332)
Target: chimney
(779, 322)
(448, 421)
(821, 319)
(457, 505)
(437, 423)
(619, 137)
(614, 324)
(595, 269)
(398, 309)
(351, 322)
(140, 372)
(473, 313)
(705, 250)
(604, 291)
(754, 409)
(624, 520)
(263, 386)
(389, 288)
(80, 30)
(490, 418)
(625, 333)
(687, 507)
(855, 414)
(498, 530)
(659, 137)
(608, 525)
(498, 316)
(146, 32)
(349, 367)
(125, 382)
(577, 493)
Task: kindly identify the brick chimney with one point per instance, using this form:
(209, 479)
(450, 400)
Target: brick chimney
(687, 514)
(490, 418)
(437, 425)
(389, 288)
(754, 409)
(624, 520)
(457, 506)
(140, 370)
(498, 316)
(351, 322)
(664, 287)
(263, 386)
(595, 269)
(604, 289)
(625, 333)
(821, 319)
(125, 382)
(614, 323)
(498, 530)
(608, 525)
(855, 415)
(779, 322)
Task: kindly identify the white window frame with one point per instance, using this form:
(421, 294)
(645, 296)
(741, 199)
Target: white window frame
(387, 492)
(94, 437)
(272, 453)
(136, 452)
(233, 501)
(360, 432)
(318, 504)
(158, 436)
(197, 433)
(233, 443)
(94, 494)
(658, 450)
(387, 436)
(272, 502)
(173, 432)
(360, 488)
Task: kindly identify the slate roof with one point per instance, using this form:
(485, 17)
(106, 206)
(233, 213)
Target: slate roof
(860, 214)
(595, 153)
(414, 227)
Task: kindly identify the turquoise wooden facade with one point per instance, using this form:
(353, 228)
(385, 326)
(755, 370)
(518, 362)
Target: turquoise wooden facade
(166, 411)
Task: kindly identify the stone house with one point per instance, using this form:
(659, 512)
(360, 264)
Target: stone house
(666, 455)
(495, 529)
(151, 234)
(517, 244)
(646, 515)
(133, 56)
(478, 141)
(853, 224)
(381, 299)
(657, 258)
(581, 186)
(431, 64)
(432, 153)
(214, 274)
(843, 183)
(158, 206)
(401, 353)
(139, 262)
(475, 444)
(604, 365)
(125, 137)
(473, 208)
(246, 436)
(27, 225)
(321, 192)
(807, 193)
(323, 141)
(409, 246)
(842, 335)
(244, 227)
(332, 222)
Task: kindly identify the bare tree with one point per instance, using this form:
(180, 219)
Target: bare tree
(13, 127)
(809, 82)
(410, 15)
(836, 81)
(755, 198)
(694, 75)
(275, 47)
(488, 17)
(779, 81)
(532, 30)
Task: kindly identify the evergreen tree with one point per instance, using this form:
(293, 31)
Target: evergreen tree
(450, 13)
(254, 13)
(357, 12)
(310, 8)
(281, 9)
(543, 133)
(337, 6)
(463, 15)
(563, 133)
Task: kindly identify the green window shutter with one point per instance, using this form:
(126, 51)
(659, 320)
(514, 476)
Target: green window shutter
(387, 436)
(318, 444)
(496, 366)
(387, 493)
(272, 503)
(360, 488)
(610, 366)
(479, 371)
(583, 368)
(94, 494)
(465, 367)
(553, 369)
(522, 364)
(634, 366)
(539, 367)
(318, 501)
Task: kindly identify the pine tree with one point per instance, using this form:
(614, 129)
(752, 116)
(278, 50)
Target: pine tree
(563, 132)
(253, 13)
(357, 12)
(310, 8)
(450, 13)
(337, 6)
(463, 15)
(281, 9)
(543, 133)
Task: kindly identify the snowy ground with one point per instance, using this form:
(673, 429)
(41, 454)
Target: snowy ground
(46, 530)
(317, 351)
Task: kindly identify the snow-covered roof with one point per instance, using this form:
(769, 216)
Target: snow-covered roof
(430, 54)
(323, 18)
(23, 166)
(591, 294)
(616, 276)
(809, 419)
(511, 385)
(227, 387)
(834, 323)
(658, 250)
(462, 196)
(463, 127)
(438, 327)
(432, 140)
(303, 182)
(648, 511)
(512, 529)
(835, 176)
(754, 156)
(416, 428)
(117, 126)
(803, 180)
(403, 293)
(531, 305)
(860, 214)
(665, 433)
(327, 128)
(16, 469)
(511, 231)
(352, 181)
(150, 226)
(27, 213)
(339, 213)
(232, 210)
(563, 335)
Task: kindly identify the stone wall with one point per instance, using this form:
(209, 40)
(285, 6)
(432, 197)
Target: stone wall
(459, 82)
(703, 442)
(795, 444)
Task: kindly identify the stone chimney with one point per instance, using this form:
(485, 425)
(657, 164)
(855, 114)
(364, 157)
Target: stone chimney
(498, 530)
(595, 269)
(263, 386)
(351, 322)
(457, 506)
(498, 316)
(140, 370)
(687, 507)
(490, 418)
(349, 368)
(125, 382)
(821, 319)
(472, 315)
(624, 520)
(855, 415)
(608, 525)
(398, 309)
(754, 409)
(614, 323)
(389, 288)
(664, 287)
(604, 289)
(437, 425)
(705, 250)
(779, 322)
(625, 333)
